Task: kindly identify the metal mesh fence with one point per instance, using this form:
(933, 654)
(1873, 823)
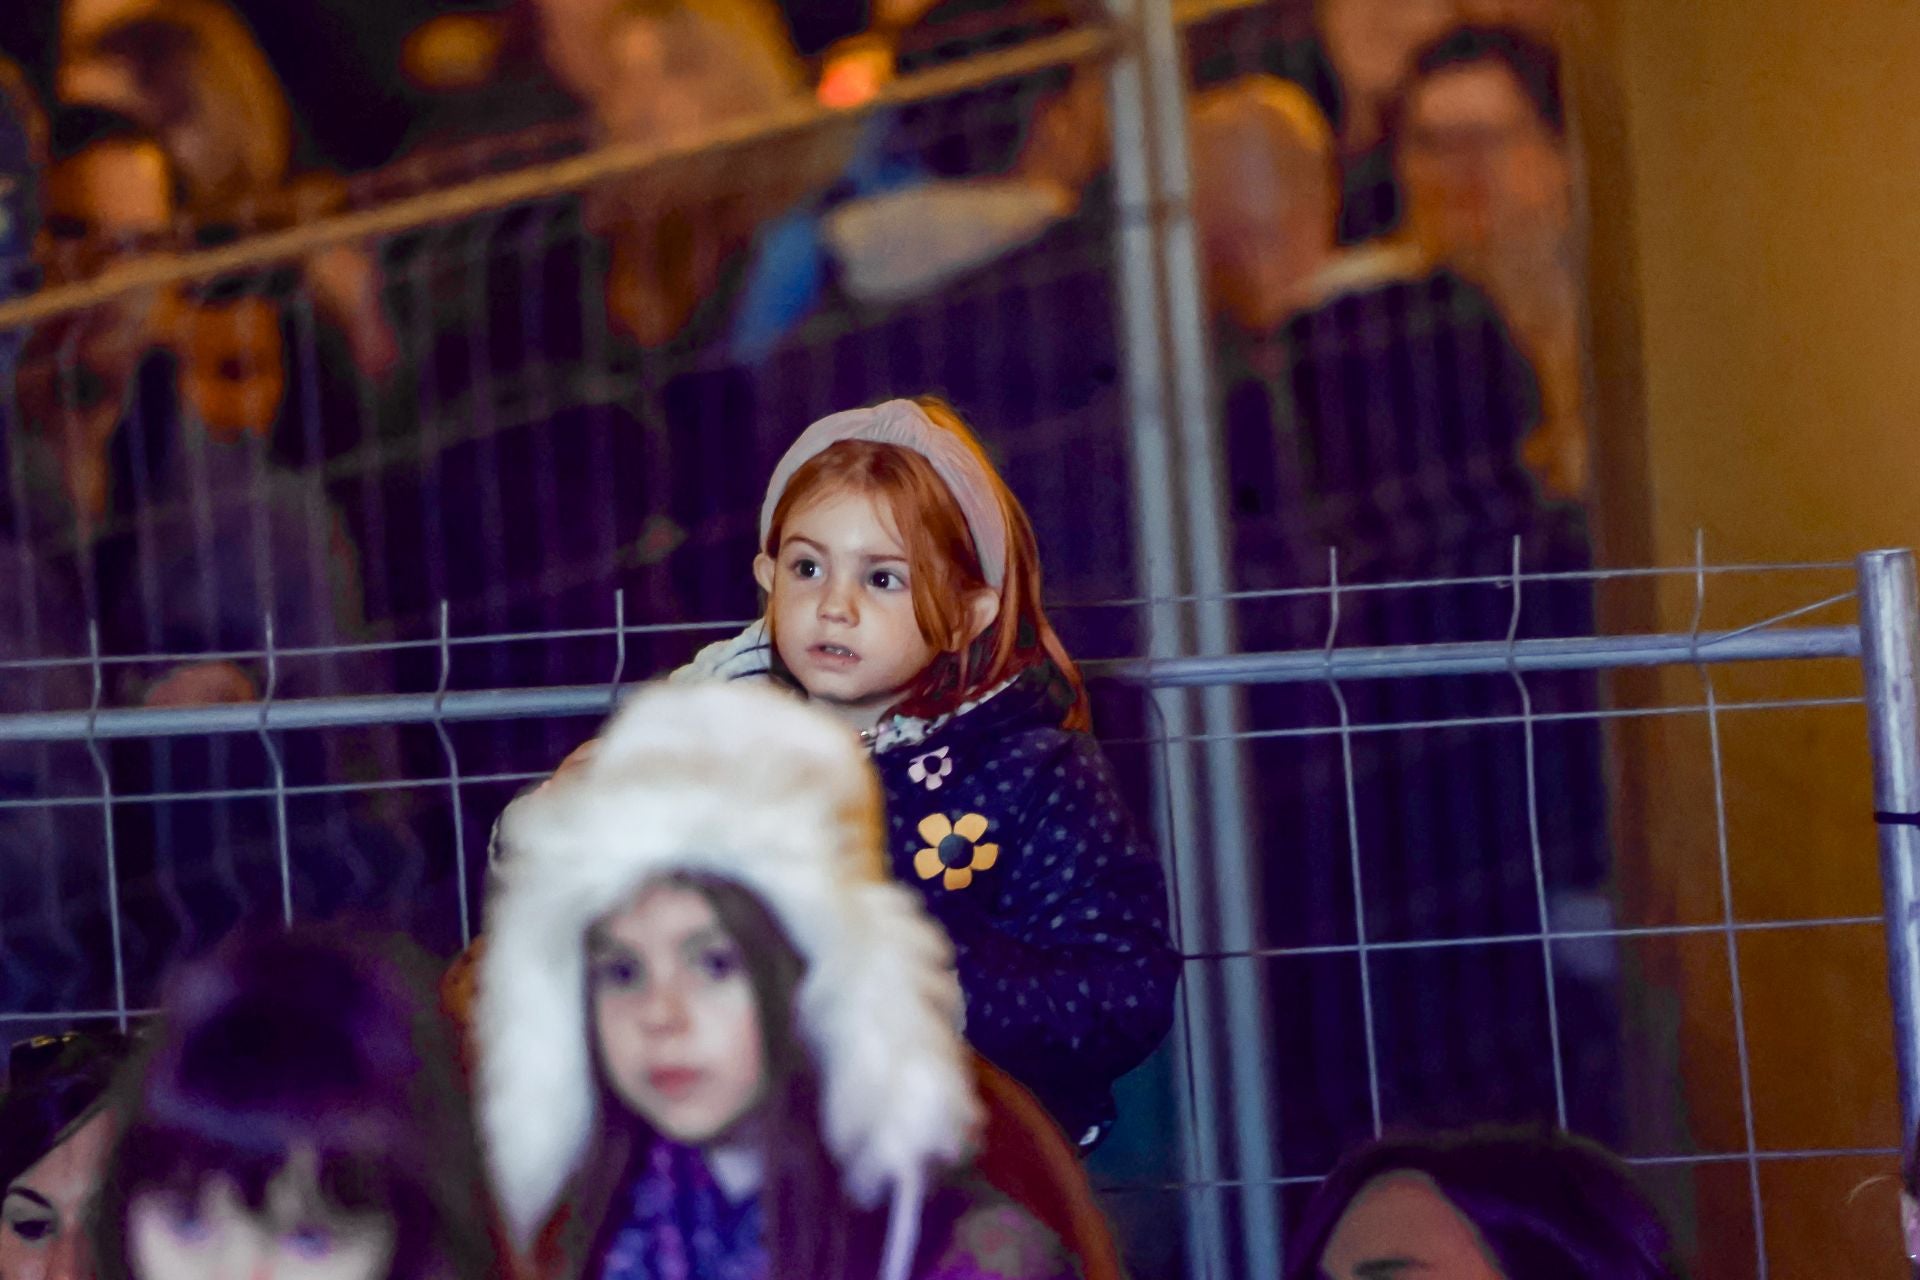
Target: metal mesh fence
(310, 587)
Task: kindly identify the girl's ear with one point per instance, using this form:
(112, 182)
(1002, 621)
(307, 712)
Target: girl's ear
(983, 610)
(763, 572)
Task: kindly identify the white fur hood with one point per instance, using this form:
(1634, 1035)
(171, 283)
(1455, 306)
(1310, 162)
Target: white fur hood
(746, 783)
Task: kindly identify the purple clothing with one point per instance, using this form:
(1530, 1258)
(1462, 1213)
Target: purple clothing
(681, 1226)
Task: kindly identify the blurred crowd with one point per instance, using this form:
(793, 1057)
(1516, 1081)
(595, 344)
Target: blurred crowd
(293, 478)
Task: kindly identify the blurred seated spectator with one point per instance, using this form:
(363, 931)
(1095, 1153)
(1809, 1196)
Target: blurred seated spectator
(1481, 1206)
(1376, 406)
(675, 72)
(919, 236)
(183, 537)
(1266, 193)
(111, 194)
(191, 74)
(55, 1131)
(1480, 143)
(1352, 58)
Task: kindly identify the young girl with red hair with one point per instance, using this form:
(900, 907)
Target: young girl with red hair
(904, 593)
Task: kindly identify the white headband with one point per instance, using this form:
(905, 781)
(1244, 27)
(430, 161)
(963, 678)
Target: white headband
(904, 424)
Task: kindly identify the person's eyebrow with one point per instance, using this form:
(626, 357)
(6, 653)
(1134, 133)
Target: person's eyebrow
(1387, 1268)
(28, 1193)
(801, 537)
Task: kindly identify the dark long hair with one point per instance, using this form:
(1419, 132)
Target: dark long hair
(1548, 1206)
(53, 1086)
(813, 1231)
(311, 1040)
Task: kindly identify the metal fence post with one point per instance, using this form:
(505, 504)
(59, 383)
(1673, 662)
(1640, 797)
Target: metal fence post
(1178, 514)
(1889, 650)
(1157, 559)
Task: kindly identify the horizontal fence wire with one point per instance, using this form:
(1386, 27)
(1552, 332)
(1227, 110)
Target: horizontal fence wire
(1467, 658)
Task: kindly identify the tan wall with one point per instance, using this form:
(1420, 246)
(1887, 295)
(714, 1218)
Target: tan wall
(1755, 169)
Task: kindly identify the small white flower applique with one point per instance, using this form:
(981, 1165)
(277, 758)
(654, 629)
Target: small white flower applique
(930, 770)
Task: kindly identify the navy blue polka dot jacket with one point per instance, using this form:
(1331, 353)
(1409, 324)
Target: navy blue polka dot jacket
(1014, 830)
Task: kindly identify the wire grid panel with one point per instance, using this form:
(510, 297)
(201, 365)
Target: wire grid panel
(1494, 994)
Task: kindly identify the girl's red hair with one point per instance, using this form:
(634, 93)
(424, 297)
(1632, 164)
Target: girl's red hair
(944, 568)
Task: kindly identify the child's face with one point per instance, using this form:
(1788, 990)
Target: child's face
(841, 602)
(44, 1236)
(296, 1236)
(1400, 1222)
(675, 1018)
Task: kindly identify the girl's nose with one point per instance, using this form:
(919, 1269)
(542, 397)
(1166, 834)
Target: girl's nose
(663, 1009)
(837, 604)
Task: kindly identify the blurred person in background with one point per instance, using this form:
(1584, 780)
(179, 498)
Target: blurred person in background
(182, 537)
(1480, 142)
(298, 1113)
(1376, 405)
(55, 1130)
(1354, 58)
(191, 73)
(1266, 196)
(1369, 46)
(1481, 1206)
(53, 920)
(111, 195)
(674, 72)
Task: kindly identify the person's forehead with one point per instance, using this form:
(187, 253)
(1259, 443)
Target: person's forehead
(842, 514)
(1474, 93)
(660, 913)
(1403, 1213)
(69, 1169)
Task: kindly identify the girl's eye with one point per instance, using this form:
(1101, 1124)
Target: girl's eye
(887, 580)
(309, 1240)
(617, 972)
(32, 1230)
(806, 567)
(719, 963)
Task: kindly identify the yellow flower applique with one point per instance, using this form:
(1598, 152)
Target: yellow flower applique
(954, 851)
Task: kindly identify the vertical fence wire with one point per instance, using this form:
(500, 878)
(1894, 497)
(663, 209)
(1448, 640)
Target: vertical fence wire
(277, 768)
(106, 825)
(453, 777)
(1350, 799)
(1729, 916)
(1534, 844)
